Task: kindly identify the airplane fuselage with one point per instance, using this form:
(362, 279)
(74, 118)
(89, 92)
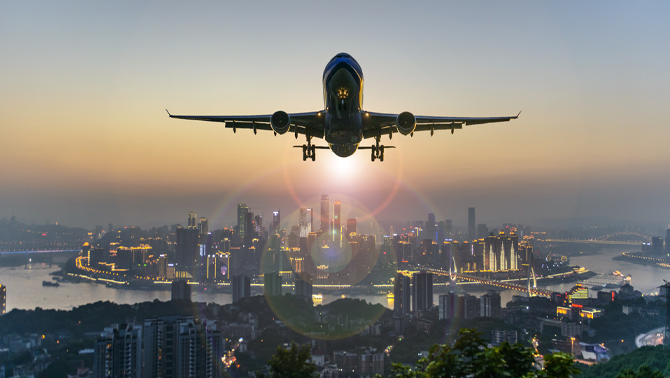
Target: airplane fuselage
(343, 102)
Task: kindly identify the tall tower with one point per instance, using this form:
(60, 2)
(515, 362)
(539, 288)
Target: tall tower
(471, 223)
(430, 227)
(192, 219)
(337, 222)
(276, 220)
(325, 215)
(204, 226)
(118, 353)
(401, 294)
(242, 211)
(422, 291)
(351, 226)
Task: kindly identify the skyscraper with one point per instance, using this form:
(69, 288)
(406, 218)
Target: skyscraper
(276, 220)
(305, 221)
(180, 290)
(118, 352)
(471, 223)
(422, 291)
(430, 227)
(401, 294)
(272, 284)
(192, 219)
(187, 246)
(337, 222)
(241, 287)
(204, 226)
(242, 211)
(325, 213)
(490, 304)
(303, 286)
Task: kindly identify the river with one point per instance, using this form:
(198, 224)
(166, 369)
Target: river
(25, 290)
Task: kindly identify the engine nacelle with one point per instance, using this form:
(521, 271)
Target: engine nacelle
(406, 123)
(280, 122)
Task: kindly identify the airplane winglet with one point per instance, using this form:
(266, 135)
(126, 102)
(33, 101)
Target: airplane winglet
(168, 113)
(517, 116)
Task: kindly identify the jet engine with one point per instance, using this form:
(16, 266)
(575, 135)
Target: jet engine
(280, 122)
(406, 123)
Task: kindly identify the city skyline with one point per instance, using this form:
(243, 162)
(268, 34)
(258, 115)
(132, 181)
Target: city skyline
(89, 142)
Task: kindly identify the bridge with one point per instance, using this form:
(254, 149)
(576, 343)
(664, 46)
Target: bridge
(484, 281)
(638, 235)
(594, 241)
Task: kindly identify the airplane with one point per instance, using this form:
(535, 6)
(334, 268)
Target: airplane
(342, 122)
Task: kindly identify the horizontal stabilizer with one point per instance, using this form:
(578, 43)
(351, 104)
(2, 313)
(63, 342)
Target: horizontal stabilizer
(371, 147)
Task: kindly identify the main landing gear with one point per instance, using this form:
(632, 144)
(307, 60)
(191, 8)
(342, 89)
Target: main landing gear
(308, 151)
(377, 151)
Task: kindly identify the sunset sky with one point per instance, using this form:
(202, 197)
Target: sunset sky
(86, 141)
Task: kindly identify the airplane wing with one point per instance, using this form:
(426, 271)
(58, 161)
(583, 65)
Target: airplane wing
(377, 124)
(301, 123)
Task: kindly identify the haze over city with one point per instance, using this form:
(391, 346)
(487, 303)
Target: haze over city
(86, 139)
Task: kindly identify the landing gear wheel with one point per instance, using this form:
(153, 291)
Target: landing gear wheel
(313, 152)
(304, 152)
(372, 155)
(381, 153)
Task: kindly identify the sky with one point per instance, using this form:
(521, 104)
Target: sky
(86, 140)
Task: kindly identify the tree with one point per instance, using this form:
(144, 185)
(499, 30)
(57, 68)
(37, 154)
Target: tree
(469, 357)
(294, 362)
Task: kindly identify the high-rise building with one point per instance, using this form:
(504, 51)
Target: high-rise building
(482, 231)
(490, 304)
(337, 222)
(162, 266)
(325, 213)
(351, 227)
(272, 284)
(3, 298)
(431, 231)
(422, 291)
(305, 221)
(303, 286)
(667, 241)
(242, 211)
(276, 220)
(448, 228)
(501, 253)
(241, 287)
(471, 223)
(187, 251)
(192, 219)
(180, 290)
(204, 226)
(402, 294)
(118, 352)
(176, 346)
(657, 246)
(447, 306)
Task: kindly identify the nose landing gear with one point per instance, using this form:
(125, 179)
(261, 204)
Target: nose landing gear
(308, 151)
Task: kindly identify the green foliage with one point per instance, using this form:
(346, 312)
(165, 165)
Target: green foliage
(468, 357)
(293, 362)
(629, 365)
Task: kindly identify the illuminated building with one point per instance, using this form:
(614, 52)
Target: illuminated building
(564, 312)
(448, 228)
(401, 294)
(325, 213)
(213, 267)
(242, 211)
(579, 291)
(192, 219)
(276, 220)
(241, 287)
(176, 346)
(180, 290)
(118, 352)
(204, 226)
(3, 298)
(471, 223)
(500, 253)
(162, 266)
(303, 286)
(337, 222)
(171, 272)
(422, 291)
(490, 304)
(351, 227)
